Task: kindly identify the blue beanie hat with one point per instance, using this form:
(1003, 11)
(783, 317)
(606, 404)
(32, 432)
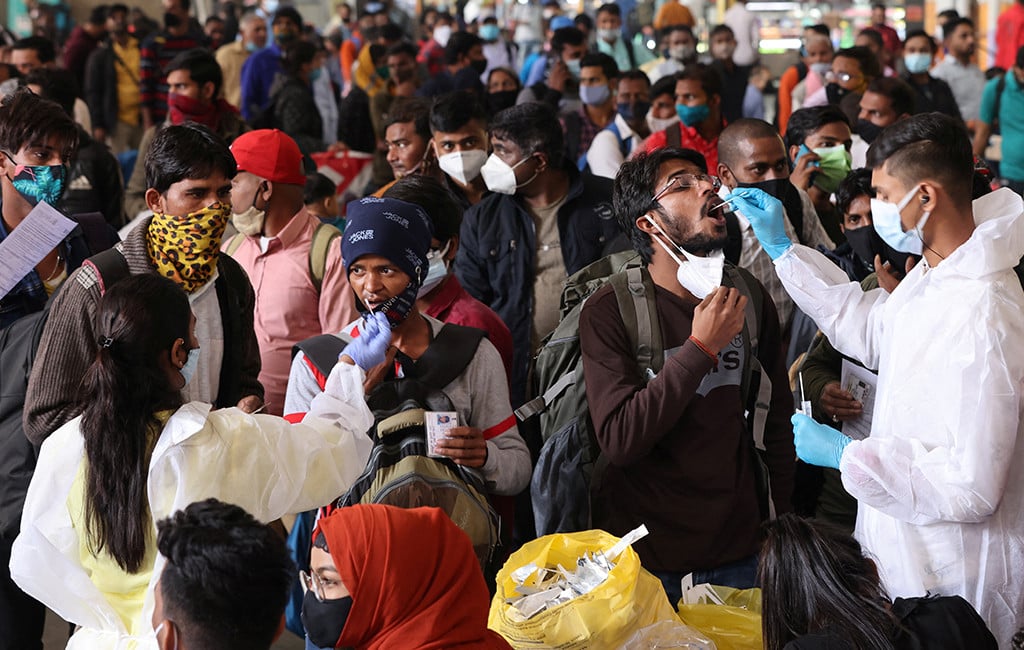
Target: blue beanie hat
(393, 229)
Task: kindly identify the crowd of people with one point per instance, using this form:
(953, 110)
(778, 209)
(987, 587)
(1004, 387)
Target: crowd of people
(549, 234)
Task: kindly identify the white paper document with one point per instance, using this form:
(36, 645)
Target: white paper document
(41, 231)
(862, 384)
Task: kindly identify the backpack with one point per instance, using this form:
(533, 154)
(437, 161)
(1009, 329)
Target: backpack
(399, 472)
(323, 236)
(570, 460)
(573, 130)
(19, 343)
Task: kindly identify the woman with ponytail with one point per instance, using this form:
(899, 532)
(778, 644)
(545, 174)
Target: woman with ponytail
(820, 592)
(137, 455)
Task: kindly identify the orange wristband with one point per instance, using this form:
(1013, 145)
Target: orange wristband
(705, 350)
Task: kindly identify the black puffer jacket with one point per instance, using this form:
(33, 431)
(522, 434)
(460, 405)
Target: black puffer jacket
(295, 113)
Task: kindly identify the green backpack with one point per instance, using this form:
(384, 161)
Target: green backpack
(570, 460)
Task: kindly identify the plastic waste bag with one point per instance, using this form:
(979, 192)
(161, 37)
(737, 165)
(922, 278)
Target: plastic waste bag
(628, 600)
(668, 634)
(729, 617)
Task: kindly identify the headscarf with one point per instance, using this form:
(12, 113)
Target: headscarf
(414, 579)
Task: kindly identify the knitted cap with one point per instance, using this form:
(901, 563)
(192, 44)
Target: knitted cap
(393, 229)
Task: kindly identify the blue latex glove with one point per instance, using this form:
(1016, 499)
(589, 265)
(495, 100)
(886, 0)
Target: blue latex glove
(766, 216)
(817, 444)
(370, 347)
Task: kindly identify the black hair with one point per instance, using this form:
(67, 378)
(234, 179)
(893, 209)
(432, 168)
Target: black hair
(609, 68)
(459, 45)
(296, 54)
(952, 25)
(201, 65)
(899, 92)
(805, 121)
(566, 36)
(186, 151)
(868, 62)
(927, 146)
(56, 85)
(213, 18)
(584, 20)
(636, 75)
(721, 29)
(709, 79)
(317, 188)
(288, 13)
(227, 577)
(1019, 60)
(98, 15)
(43, 46)
(454, 110)
(391, 33)
(609, 8)
(402, 47)
(139, 320)
(411, 109)
(742, 130)
(671, 29)
(814, 577)
(664, 86)
(820, 29)
(878, 5)
(439, 204)
(534, 128)
(873, 35)
(27, 119)
(117, 7)
(857, 183)
(511, 74)
(635, 187)
(920, 33)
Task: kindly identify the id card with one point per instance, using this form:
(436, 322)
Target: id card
(438, 424)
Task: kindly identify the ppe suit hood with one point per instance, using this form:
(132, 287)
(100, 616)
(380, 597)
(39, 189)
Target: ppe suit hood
(998, 240)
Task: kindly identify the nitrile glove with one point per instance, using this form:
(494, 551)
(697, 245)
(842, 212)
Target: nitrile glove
(370, 347)
(817, 444)
(766, 216)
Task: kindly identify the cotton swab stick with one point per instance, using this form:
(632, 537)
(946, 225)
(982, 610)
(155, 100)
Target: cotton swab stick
(805, 405)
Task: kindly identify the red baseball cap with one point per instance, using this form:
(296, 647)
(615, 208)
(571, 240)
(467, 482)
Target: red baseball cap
(270, 154)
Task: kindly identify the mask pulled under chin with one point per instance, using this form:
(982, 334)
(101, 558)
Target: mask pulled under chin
(698, 275)
(397, 307)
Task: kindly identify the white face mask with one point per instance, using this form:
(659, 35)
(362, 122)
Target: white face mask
(441, 34)
(608, 35)
(698, 275)
(656, 124)
(463, 166)
(437, 270)
(500, 177)
(886, 218)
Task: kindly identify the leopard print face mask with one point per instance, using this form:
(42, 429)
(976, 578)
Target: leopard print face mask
(185, 249)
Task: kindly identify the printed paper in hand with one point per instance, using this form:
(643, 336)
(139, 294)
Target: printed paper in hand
(861, 383)
(438, 424)
(41, 231)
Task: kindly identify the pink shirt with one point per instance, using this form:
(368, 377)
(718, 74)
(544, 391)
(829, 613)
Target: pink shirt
(288, 307)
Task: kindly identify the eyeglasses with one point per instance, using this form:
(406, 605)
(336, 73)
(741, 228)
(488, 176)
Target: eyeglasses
(311, 582)
(841, 77)
(684, 182)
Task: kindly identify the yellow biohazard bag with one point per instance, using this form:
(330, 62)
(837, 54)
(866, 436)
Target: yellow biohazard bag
(730, 617)
(628, 600)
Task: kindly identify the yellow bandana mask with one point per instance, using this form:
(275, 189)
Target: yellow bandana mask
(185, 249)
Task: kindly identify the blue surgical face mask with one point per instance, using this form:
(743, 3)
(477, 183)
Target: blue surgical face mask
(314, 74)
(490, 32)
(917, 63)
(886, 218)
(574, 67)
(189, 369)
(692, 115)
(595, 95)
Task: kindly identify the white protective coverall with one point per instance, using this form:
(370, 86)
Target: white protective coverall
(259, 462)
(940, 481)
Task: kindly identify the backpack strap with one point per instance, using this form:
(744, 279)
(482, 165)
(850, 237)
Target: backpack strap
(634, 292)
(323, 236)
(674, 135)
(322, 351)
(110, 266)
(623, 142)
(235, 243)
(98, 234)
(448, 355)
(629, 52)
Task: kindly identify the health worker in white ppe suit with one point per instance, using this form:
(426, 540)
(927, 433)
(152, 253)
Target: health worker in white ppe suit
(938, 482)
(87, 546)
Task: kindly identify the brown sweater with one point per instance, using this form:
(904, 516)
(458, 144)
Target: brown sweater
(679, 450)
(68, 344)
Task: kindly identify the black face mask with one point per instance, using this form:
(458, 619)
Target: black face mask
(867, 130)
(172, 20)
(479, 65)
(786, 192)
(634, 111)
(835, 92)
(325, 620)
(866, 243)
(501, 100)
